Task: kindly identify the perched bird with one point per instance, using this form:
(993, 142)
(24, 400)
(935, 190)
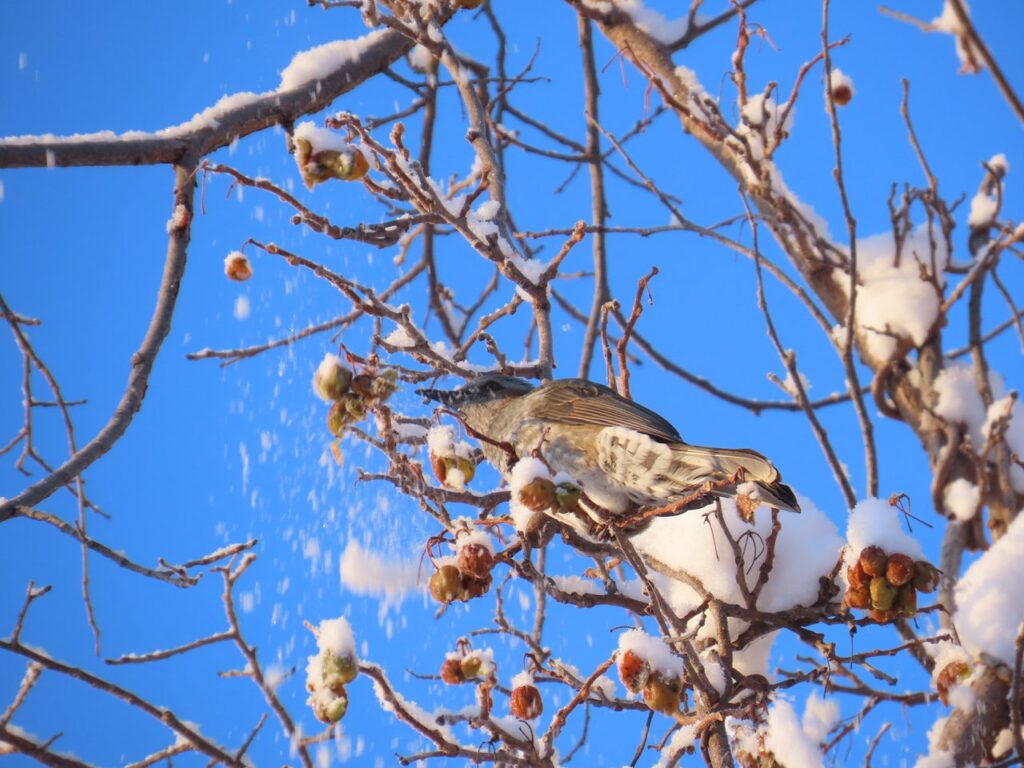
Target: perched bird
(623, 455)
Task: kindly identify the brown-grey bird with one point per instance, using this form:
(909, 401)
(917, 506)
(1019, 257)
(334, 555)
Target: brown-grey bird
(621, 453)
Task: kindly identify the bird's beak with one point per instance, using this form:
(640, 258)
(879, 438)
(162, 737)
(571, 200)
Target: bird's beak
(445, 396)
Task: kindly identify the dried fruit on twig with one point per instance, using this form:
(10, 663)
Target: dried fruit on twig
(858, 598)
(857, 578)
(873, 561)
(470, 5)
(446, 584)
(633, 671)
(882, 617)
(330, 707)
(237, 267)
(473, 587)
(338, 670)
(899, 569)
(926, 576)
(346, 164)
(471, 666)
(475, 560)
(567, 495)
(906, 601)
(331, 379)
(525, 702)
(346, 410)
(538, 494)
(951, 674)
(883, 594)
(451, 671)
(662, 695)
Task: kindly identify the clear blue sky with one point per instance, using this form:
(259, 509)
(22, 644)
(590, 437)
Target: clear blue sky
(220, 455)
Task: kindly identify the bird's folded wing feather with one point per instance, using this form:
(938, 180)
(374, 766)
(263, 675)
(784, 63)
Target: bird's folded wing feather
(575, 401)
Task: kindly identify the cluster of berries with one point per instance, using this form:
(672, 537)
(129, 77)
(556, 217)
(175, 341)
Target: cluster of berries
(470, 574)
(887, 585)
(466, 666)
(662, 693)
(542, 494)
(351, 395)
(327, 694)
(316, 167)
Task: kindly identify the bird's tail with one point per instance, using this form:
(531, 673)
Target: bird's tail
(693, 465)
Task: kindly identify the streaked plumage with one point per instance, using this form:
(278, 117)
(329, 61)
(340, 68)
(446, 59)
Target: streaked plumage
(623, 454)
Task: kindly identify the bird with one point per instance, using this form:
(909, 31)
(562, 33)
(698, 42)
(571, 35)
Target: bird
(623, 455)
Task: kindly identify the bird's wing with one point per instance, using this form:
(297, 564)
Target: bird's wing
(576, 401)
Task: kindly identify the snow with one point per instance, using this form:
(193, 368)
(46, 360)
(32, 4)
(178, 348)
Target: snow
(576, 585)
(948, 22)
(761, 113)
(427, 720)
(242, 307)
(488, 210)
(1003, 743)
(477, 537)
(208, 118)
(961, 498)
(876, 522)
(936, 758)
(420, 58)
(321, 138)
(441, 442)
(179, 219)
(526, 470)
(895, 300)
(983, 209)
(819, 717)
(960, 403)
(335, 635)
(990, 602)
(324, 371)
(319, 62)
(531, 269)
(962, 697)
(682, 739)
(400, 338)
(665, 31)
(839, 79)
(786, 740)
(807, 548)
(521, 679)
(653, 650)
(364, 572)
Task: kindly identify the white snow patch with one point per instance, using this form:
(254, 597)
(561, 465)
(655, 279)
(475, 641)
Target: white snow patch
(787, 741)
(961, 498)
(242, 307)
(321, 138)
(368, 573)
(319, 62)
(990, 602)
(653, 650)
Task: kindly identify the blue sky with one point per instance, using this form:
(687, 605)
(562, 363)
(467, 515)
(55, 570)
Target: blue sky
(219, 455)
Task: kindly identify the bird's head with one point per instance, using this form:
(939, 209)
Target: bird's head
(487, 389)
